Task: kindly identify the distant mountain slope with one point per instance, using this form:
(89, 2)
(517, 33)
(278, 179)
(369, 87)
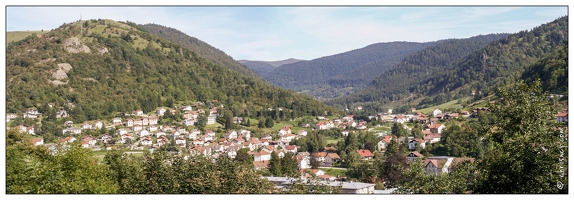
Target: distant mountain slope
(310, 75)
(113, 67)
(411, 84)
(264, 67)
(552, 71)
(203, 49)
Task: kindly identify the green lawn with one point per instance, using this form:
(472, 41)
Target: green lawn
(333, 172)
(20, 35)
(332, 140)
(450, 104)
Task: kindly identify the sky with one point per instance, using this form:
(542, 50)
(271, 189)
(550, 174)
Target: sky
(273, 33)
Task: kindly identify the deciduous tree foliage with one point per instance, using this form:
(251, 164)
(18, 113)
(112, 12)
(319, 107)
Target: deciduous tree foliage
(529, 148)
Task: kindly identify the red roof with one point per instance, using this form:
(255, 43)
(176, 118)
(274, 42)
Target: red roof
(320, 154)
(365, 153)
(387, 139)
(562, 114)
(290, 147)
(435, 125)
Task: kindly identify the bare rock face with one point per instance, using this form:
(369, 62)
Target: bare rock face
(103, 50)
(74, 45)
(61, 73)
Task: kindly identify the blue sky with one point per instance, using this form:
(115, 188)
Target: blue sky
(303, 32)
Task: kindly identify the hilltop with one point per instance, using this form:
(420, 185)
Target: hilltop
(96, 68)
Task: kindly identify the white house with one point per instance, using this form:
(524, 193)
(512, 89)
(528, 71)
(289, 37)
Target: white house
(261, 156)
(436, 112)
(160, 111)
(400, 119)
(302, 132)
(188, 122)
(382, 145)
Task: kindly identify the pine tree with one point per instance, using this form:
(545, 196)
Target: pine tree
(275, 165)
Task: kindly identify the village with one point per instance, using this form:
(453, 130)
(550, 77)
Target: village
(138, 131)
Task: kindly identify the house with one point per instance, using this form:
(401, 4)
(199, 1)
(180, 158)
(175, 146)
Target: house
(303, 161)
(180, 142)
(105, 138)
(382, 145)
(10, 116)
(121, 131)
(61, 113)
(31, 130)
(400, 119)
(413, 156)
(68, 139)
(434, 166)
(138, 122)
(326, 177)
(361, 125)
(319, 156)
(286, 129)
(146, 141)
(86, 125)
(153, 120)
(237, 120)
(287, 138)
(432, 137)
(267, 137)
(345, 133)
(562, 117)
(188, 122)
(231, 134)
(324, 125)
(160, 111)
(98, 125)
(436, 112)
(129, 122)
(261, 156)
(89, 140)
(260, 164)
(318, 172)
(413, 143)
(143, 133)
(366, 154)
(451, 116)
(138, 112)
(117, 121)
(291, 148)
(137, 127)
(210, 133)
(436, 128)
(245, 134)
(37, 141)
(72, 130)
(211, 119)
(332, 158)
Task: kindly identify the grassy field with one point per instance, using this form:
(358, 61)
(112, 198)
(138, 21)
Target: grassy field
(450, 104)
(333, 172)
(332, 140)
(20, 35)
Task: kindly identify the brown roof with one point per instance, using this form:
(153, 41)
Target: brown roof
(365, 153)
(259, 164)
(416, 153)
(387, 138)
(562, 114)
(290, 147)
(435, 125)
(36, 140)
(334, 155)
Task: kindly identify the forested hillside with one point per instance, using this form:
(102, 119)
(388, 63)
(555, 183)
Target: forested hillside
(411, 84)
(362, 65)
(96, 68)
(200, 47)
(552, 70)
